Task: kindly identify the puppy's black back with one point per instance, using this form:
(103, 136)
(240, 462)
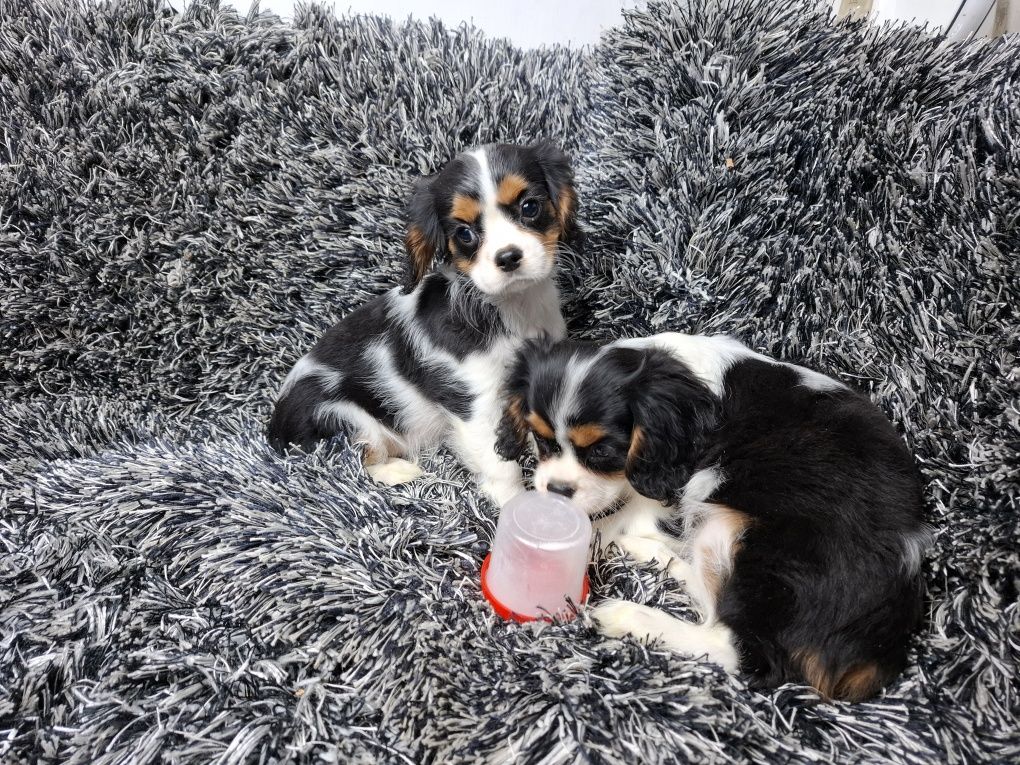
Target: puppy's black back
(824, 584)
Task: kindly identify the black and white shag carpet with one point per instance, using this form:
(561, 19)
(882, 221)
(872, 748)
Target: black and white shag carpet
(187, 200)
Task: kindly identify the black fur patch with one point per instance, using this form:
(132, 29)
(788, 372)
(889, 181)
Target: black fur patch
(435, 382)
(831, 491)
(455, 331)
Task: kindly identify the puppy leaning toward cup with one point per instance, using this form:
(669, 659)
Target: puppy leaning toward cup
(784, 500)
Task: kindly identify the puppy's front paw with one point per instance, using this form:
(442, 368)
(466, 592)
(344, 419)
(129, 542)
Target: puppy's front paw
(501, 492)
(645, 550)
(648, 550)
(617, 618)
(393, 472)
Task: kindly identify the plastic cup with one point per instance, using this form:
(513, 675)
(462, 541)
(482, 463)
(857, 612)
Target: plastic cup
(539, 558)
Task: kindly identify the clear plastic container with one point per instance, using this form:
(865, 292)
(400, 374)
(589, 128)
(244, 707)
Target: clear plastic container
(539, 558)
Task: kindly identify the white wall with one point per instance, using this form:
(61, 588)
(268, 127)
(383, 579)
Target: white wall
(529, 23)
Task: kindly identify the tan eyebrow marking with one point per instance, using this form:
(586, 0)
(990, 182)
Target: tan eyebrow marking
(465, 208)
(510, 188)
(540, 426)
(585, 435)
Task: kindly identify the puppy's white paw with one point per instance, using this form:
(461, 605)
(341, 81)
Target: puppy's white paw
(393, 472)
(648, 550)
(501, 492)
(645, 550)
(617, 618)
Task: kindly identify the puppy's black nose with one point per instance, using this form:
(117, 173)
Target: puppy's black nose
(509, 259)
(566, 489)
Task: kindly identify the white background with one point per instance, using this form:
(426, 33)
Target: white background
(531, 23)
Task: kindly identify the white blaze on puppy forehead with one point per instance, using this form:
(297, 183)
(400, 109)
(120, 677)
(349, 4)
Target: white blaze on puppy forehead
(568, 401)
(591, 491)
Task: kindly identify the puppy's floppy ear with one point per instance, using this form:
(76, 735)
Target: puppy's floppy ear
(512, 432)
(673, 414)
(424, 239)
(559, 177)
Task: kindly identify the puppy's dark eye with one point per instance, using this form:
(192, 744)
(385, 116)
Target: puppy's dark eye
(465, 235)
(530, 208)
(599, 451)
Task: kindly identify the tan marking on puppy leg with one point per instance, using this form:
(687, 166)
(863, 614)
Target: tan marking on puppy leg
(510, 188)
(585, 435)
(540, 426)
(716, 543)
(465, 208)
(857, 683)
(811, 666)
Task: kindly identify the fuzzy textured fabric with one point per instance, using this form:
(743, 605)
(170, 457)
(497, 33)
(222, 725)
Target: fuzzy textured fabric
(188, 200)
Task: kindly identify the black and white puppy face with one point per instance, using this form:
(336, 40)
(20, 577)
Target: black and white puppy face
(606, 421)
(497, 213)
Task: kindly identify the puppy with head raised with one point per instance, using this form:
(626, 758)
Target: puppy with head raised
(783, 499)
(422, 366)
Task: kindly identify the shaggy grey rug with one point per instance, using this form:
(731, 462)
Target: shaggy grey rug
(186, 201)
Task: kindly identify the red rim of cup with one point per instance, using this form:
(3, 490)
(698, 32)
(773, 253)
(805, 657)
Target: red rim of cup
(506, 613)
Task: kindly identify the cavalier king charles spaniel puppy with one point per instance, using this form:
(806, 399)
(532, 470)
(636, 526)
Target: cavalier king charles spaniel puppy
(422, 366)
(783, 499)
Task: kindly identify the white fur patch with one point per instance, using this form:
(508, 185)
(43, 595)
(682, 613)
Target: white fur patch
(617, 618)
(711, 356)
(707, 356)
(573, 376)
(306, 366)
(659, 550)
(533, 311)
(368, 431)
(474, 441)
(809, 378)
(915, 544)
(424, 424)
(703, 484)
(393, 472)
